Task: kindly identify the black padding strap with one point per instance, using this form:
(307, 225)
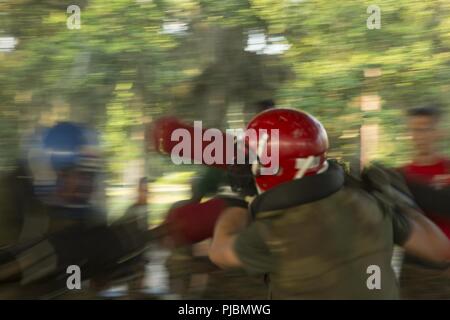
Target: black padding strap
(297, 192)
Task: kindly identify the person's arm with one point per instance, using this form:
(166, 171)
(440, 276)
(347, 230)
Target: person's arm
(231, 222)
(425, 239)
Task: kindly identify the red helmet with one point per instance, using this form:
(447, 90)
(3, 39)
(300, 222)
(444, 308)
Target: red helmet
(302, 144)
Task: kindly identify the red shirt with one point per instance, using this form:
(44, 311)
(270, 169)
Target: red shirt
(436, 174)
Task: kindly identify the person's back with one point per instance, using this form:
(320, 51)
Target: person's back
(323, 249)
(318, 233)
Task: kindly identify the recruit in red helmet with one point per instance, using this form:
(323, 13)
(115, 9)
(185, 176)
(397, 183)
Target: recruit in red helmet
(301, 142)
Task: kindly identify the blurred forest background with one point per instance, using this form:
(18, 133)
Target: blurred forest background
(135, 60)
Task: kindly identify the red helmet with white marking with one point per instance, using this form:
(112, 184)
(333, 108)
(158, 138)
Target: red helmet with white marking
(291, 144)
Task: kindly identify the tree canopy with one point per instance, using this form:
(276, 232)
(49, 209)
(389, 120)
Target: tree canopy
(134, 60)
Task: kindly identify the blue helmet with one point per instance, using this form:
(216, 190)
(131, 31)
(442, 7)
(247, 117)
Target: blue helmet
(70, 145)
(66, 145)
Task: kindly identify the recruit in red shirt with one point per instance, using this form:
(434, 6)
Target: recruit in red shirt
(436, 175)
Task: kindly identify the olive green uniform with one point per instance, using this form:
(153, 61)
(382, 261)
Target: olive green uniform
(322, 249)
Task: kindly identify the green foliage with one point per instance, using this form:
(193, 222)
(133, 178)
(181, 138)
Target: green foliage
(123, 67)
